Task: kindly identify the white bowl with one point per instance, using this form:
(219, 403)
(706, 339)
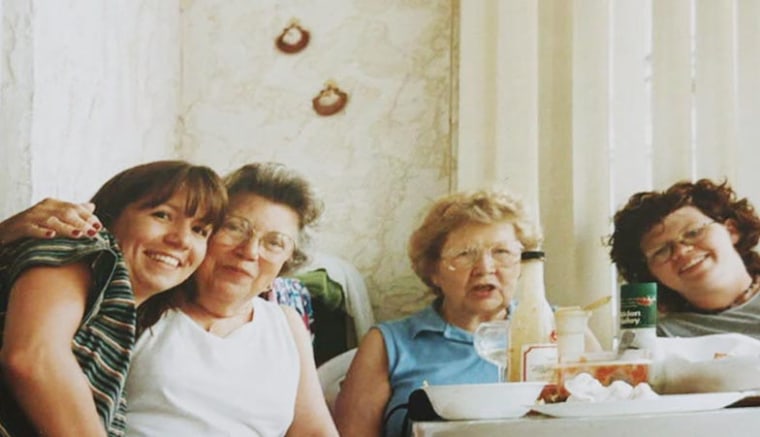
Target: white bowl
(483, 401)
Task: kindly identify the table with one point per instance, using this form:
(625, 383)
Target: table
(726, 422)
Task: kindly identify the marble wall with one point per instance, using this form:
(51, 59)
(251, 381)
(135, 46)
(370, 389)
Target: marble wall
(89, 88)
(377, 163)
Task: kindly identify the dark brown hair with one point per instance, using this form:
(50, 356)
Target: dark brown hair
(272, 181)
(646, 209)
(154, 183)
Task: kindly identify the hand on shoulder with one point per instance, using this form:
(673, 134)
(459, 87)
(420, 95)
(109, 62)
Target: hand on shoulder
(50, 218)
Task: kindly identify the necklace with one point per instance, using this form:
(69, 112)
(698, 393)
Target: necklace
(747, 294)
(246, 314)
(219, 324)
(742, 298)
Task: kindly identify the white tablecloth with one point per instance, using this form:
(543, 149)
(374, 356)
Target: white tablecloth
(728, 422)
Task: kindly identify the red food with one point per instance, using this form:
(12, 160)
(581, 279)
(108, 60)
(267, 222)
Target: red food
(605, 372)
(551, 394)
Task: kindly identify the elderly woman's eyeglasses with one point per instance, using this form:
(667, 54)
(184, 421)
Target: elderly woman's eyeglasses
(273, 245)
(690, 236)
(502, 254)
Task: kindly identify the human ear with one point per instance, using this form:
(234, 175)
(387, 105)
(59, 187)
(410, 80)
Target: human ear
(434, 279)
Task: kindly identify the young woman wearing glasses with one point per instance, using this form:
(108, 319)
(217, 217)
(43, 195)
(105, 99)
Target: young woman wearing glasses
(467, 251)
(696, 240)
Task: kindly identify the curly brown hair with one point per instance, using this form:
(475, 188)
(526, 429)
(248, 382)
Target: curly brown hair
(646, 209)
(456, 210)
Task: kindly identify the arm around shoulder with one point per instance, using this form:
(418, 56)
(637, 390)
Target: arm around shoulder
(49, 218)
(365, 392)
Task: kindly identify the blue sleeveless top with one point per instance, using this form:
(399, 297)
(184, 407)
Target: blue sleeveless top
(424, 347)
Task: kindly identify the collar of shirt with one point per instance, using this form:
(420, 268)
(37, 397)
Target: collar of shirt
(431, 321)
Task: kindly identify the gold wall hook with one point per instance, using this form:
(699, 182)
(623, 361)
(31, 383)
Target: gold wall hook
(330, 100)
(287, 43)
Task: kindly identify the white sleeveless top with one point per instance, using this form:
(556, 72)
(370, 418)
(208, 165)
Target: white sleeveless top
(185, 381)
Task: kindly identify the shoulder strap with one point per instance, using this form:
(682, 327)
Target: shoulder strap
(390, 414)
(418, 408)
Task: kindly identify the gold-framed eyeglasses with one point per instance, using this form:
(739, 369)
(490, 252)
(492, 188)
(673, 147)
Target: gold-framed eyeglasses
(690, 237)
(503, 254)
(273, 245)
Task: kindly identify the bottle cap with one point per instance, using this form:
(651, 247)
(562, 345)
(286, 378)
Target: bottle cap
(532, 254)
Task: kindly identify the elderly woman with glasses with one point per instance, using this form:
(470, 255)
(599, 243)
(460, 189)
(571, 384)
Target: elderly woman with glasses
(467, 250)
(696, 240)
(212, 358)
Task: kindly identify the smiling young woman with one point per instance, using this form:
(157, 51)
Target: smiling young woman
(250, 360)
(68, 307)
(696, 240)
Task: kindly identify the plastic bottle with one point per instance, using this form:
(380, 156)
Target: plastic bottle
(532, 342)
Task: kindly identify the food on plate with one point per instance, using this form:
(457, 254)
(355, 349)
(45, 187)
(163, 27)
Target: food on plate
(585, 388)
(607, 372)
(551, 394)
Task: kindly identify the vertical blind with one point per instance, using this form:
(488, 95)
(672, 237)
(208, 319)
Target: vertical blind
(578, 104)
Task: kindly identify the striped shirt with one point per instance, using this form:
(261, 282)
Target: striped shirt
(104, 341)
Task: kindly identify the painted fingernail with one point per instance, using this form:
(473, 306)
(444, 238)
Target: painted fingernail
(91, 232)
(96, 226)
(76, 232)
(49, 234)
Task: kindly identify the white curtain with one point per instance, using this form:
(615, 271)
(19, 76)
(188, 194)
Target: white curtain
(578, 104)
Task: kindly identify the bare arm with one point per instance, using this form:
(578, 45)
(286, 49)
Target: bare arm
(365, 392)
(312, 418)
(48, 218)
(45, 309)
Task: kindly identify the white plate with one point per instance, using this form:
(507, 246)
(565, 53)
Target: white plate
(483, 401)
(662, 404)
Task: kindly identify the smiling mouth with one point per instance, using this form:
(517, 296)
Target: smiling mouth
(165, 259)
(238, 270)
(694, 262)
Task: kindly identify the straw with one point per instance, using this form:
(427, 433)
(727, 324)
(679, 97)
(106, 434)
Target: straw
(597, 303)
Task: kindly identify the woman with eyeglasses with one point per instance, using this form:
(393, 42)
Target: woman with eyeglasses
(214, 359)
(211, 357)
(696, 240)
(467, 250)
